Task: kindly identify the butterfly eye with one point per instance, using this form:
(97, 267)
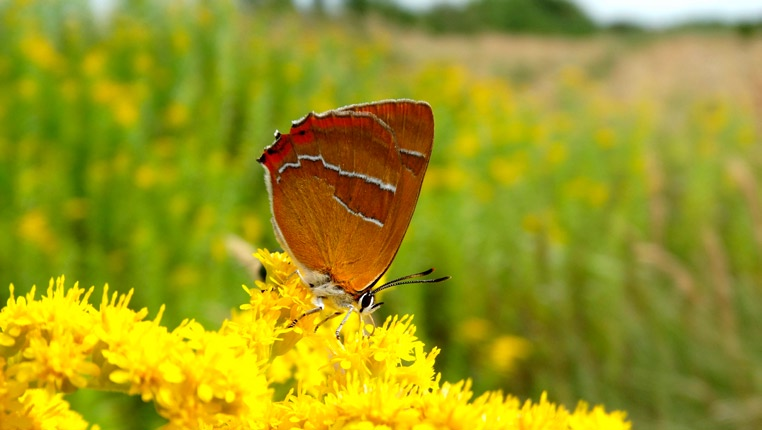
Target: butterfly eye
(366, 301)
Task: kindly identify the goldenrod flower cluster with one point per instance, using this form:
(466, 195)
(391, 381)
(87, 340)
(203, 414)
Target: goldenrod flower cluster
(198, 378)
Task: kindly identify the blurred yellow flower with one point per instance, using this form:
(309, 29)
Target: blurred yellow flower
(205, 16)
(34, 227)
(211, 379)
(490, 97)
(252, 227)
(509, 170)
(206, 217)
(38, 50)
(544, 223)
(713, 117)
(218, 250)
(123, 100)
(506, 350)
(146, 176)
(605, 138)
(539, 133)
(474, 330)
(142, 63)
(364, 56)
(122, 163)
(178, 205)
(594, 193)
(70, 90)
(449, 80)
(556, 153)
(746, 136)
(94, 63)
(532, 223)
(514, 131)
(484, 191)
(126, 111)
(467, 144)
(453, 177)
(293, 72)
(177, 114)
(104, 91)
(27, 88)
(561, 121)
(598, 194)
(573, 77)
(180, 41)
(184, 275)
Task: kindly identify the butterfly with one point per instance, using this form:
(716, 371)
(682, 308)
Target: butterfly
(343, 186)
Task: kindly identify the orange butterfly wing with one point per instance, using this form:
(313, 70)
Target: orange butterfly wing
(343, 187)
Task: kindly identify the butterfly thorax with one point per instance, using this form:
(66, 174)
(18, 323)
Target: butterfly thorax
(333, 294)
(325, 288)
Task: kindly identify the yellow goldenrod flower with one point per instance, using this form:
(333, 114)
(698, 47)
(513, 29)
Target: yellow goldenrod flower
(223, 378)
(43, 410)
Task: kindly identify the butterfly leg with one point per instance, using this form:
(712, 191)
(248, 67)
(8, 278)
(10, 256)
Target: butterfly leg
(343, 321)
(330, 317)
(309, 312)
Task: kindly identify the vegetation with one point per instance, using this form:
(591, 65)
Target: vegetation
(517, 16)
(539, 17)
(602, 248)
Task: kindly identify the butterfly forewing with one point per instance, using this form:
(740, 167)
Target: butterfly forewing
(317, 177)
(343, 187)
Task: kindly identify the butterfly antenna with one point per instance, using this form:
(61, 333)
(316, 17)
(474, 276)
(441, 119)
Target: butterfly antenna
(407, 280)
(414, 275)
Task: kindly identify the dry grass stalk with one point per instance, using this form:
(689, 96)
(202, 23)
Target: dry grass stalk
(742, 175)
(657, 257)
(243, 253)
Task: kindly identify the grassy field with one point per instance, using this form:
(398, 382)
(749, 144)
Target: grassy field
(596, 201)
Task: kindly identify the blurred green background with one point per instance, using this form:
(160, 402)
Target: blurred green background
(594, 192)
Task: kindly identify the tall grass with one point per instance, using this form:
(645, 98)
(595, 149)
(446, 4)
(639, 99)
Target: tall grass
(600, 249)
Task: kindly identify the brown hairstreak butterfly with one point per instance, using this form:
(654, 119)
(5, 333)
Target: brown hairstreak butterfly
(343, 186)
